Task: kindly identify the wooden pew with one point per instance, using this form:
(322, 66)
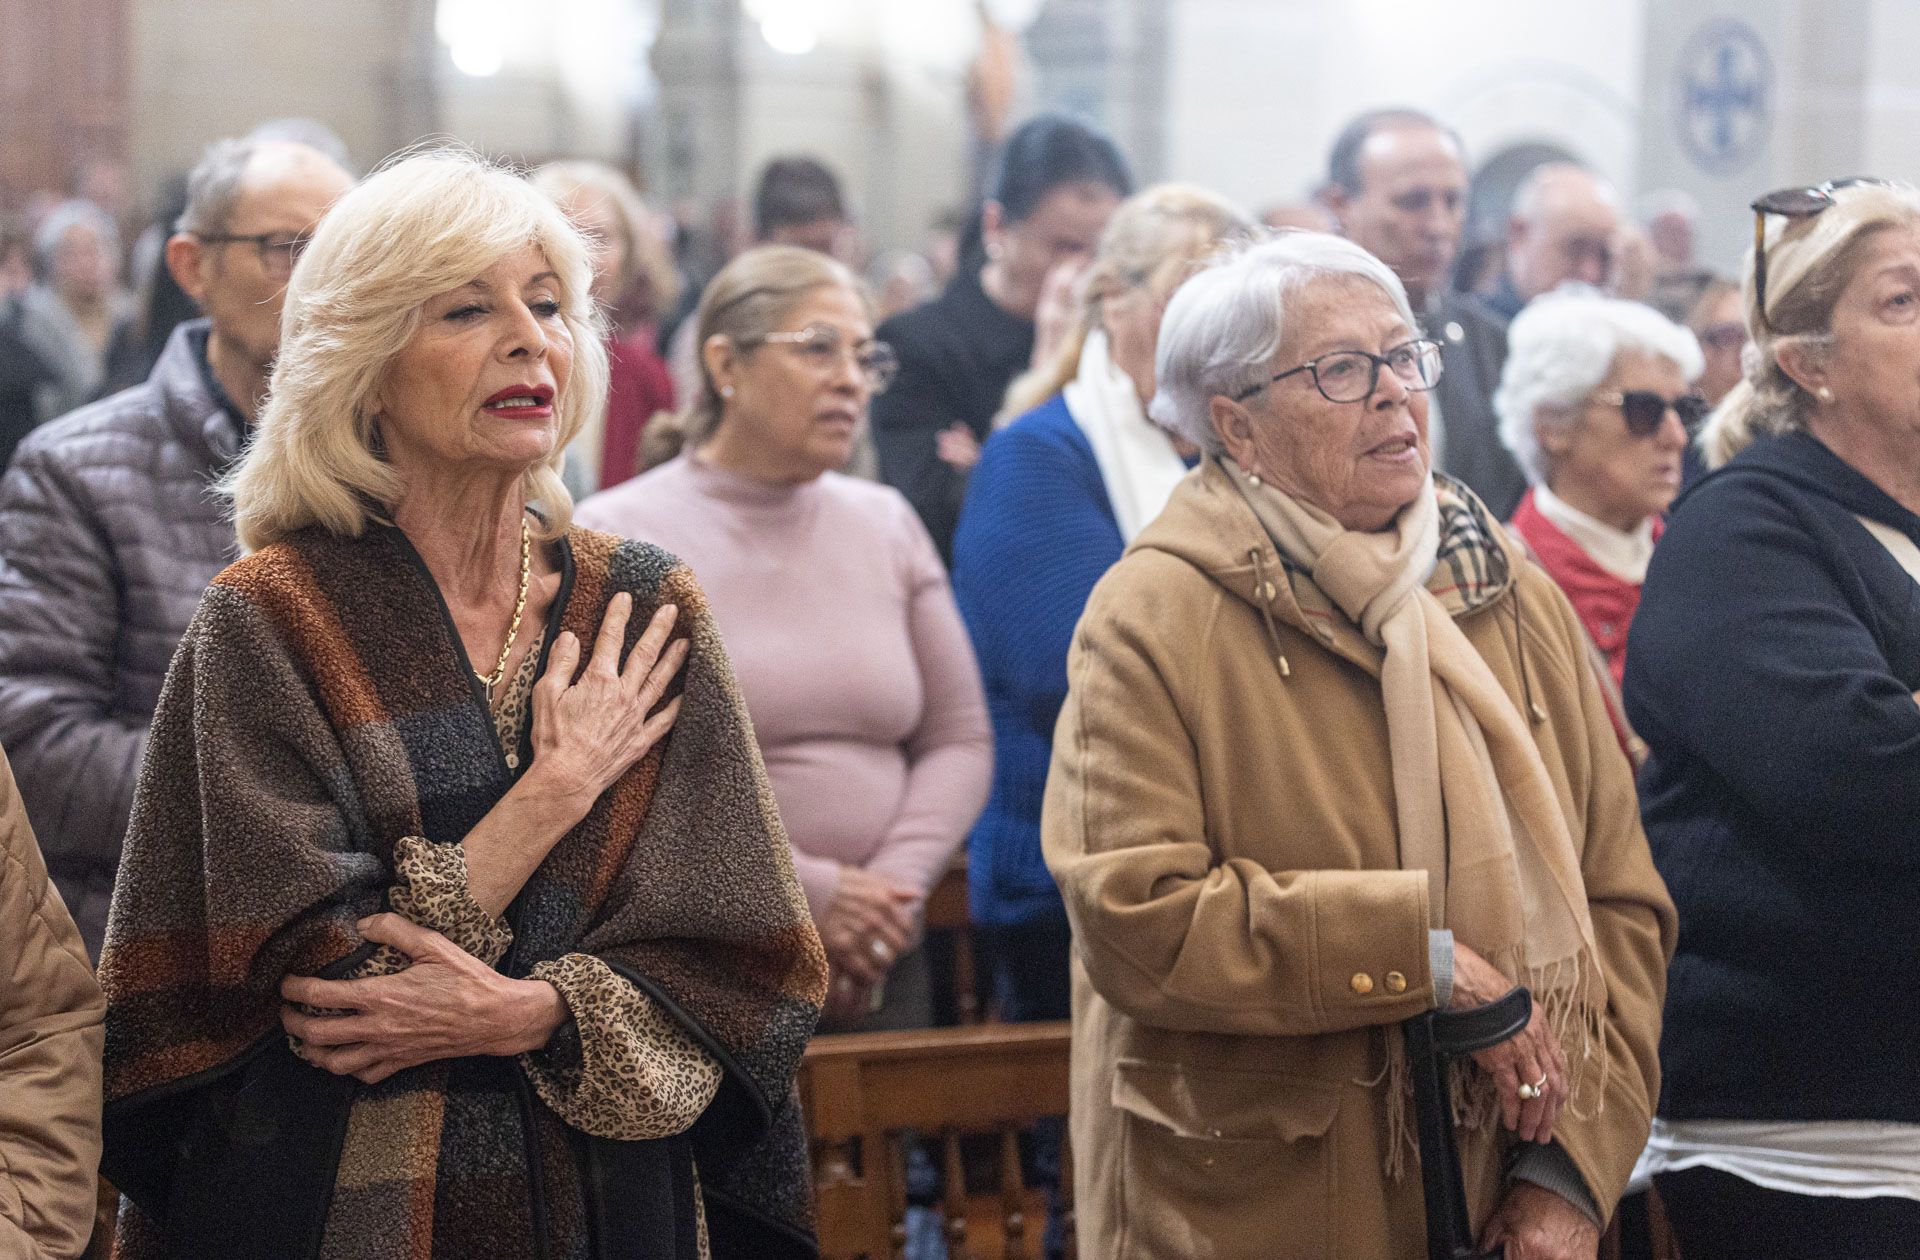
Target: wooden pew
(861, 1091)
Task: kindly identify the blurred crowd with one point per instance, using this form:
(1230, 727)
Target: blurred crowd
(925, 492)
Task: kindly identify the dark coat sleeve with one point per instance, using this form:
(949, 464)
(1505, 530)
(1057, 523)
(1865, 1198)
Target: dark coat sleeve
(1749, 653)
(907, 421)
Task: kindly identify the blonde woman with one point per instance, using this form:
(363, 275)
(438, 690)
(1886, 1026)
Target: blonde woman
(634, 280)
(434, 923)
(1058, 494)
(852, 657)
(1772, 672)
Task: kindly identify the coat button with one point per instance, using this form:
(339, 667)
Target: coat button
(513, 761)
(1362, 983)
(1396, 983)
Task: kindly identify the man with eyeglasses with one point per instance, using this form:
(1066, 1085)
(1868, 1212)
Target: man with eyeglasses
(110, 528)
(1565, 227)
(1397, 187)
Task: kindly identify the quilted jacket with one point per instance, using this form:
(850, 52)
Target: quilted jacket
(109, 532)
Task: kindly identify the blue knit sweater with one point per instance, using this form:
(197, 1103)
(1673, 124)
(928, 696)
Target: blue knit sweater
(1036, 532)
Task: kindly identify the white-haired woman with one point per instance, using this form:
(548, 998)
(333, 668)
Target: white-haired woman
(1595, 405)
(634, 280)
(76, 307)
(436, 931)
(1773, 671)
(1332, 756)
(852, 657)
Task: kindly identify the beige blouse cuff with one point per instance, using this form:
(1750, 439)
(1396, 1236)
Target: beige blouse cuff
(622, 1068)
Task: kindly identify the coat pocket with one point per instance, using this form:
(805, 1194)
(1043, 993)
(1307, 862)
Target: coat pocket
(1219, 1164)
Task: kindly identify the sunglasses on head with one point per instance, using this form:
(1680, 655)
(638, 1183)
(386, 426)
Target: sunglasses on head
(1792, 203)
(1645, 410)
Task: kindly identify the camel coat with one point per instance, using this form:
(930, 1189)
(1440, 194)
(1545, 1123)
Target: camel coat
(1220, 819)
(50, 1038)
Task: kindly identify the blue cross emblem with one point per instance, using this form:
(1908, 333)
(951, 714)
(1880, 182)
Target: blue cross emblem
(1725, 94)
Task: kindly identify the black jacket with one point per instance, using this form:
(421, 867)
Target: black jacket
(958, 353)
(109, 532)
(1473, 351)
(1772, 670)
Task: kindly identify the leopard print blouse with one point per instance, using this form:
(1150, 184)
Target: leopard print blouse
(621, 1068)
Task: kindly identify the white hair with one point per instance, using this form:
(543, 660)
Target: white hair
(1560, 348)
(1225, 324)
(1530, 199)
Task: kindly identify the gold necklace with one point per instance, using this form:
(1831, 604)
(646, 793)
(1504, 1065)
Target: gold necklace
(490, 681)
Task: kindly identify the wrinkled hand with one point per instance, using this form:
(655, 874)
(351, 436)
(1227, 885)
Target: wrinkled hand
(867, 911)
(447, 1005)
(957, 447)
(1534, 1223)
(1525, 1059)
(587, 734)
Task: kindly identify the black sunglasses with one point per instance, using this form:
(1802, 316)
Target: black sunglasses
(1792, 203)
(1645, 411)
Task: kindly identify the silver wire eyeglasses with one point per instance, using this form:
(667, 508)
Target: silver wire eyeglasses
(821, 345)
(1346, 376)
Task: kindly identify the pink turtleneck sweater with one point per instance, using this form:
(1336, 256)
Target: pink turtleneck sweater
(854, 662)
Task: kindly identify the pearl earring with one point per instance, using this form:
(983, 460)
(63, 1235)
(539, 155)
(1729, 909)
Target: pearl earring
(726, 391)
(1826, 395)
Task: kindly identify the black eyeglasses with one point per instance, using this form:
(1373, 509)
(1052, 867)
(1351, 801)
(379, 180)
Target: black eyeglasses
(278, 251)
(1792, 203)
(1645, 410)
(1347, 376)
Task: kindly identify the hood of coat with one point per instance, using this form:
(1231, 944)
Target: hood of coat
(1208, 524)
(1803, 460)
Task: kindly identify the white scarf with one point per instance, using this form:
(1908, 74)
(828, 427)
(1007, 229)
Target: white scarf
(1137, 460)
(1623, 555)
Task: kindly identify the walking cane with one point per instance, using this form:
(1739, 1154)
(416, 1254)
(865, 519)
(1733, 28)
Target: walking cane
(1434, 1040)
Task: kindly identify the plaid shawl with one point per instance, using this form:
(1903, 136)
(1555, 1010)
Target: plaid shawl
(319, 710)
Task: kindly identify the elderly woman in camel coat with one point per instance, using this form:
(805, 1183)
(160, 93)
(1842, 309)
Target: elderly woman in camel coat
(1333, 756)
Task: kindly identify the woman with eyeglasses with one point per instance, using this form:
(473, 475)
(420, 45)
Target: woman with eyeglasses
(1595, 406)
(1332, 757)
(836, 612)
(1772, 671)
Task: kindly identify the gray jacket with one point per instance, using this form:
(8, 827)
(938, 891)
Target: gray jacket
(109, 532)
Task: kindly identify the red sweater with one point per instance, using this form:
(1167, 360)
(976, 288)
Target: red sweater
(638, 386)
(1604, 603)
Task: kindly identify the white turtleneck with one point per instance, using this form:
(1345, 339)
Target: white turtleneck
(1624, 554)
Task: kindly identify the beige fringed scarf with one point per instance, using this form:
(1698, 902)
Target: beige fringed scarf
(1476, 808)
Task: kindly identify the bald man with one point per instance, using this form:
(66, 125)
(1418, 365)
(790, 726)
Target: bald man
(1397, 187)
(109, 526)
(1565, 227)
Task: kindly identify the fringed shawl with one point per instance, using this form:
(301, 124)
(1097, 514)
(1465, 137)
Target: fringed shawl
(320, 709)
